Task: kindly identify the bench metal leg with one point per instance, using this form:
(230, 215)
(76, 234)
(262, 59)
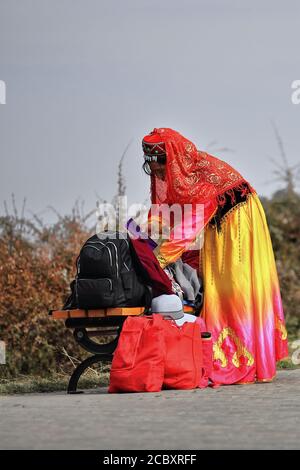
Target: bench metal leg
(81, 336)
(73, 382)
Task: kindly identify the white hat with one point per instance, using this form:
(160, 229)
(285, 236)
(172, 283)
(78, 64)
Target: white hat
(168, 306)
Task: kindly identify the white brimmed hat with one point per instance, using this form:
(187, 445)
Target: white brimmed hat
(168, 306)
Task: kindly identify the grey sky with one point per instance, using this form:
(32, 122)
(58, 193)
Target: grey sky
(85, 77)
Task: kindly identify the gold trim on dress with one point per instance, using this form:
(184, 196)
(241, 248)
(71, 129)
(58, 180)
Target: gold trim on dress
(229, 212)
(266, 380)
(162, 261)
(241, 349)
(279, 325)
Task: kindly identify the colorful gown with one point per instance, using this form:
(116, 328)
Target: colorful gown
(242, 302)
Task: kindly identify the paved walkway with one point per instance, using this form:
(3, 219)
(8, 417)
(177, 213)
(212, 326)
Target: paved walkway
(261, 416)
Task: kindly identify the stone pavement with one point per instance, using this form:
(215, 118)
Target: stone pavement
(260, 416)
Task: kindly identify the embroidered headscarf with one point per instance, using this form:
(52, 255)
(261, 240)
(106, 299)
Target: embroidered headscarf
(192, 176)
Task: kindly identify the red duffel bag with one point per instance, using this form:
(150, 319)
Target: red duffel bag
(183, 360)
(138, 362)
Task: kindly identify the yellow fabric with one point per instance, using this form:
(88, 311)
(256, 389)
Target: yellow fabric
(242, 302)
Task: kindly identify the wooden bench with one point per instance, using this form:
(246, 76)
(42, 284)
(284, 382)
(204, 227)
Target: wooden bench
(88, 324)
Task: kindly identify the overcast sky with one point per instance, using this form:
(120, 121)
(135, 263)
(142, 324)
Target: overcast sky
(85, 77)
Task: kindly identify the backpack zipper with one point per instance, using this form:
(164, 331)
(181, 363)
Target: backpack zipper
(117, 259)
(89, 279)
(126, 266)
(89, 244)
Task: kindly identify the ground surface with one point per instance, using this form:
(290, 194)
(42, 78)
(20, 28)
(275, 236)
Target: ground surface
(261, 416)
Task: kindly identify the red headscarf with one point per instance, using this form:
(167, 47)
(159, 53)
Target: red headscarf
(192, 176)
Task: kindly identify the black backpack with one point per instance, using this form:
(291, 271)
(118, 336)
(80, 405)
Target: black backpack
(107, 275)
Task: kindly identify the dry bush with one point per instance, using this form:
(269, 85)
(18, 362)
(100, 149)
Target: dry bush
(36, 267)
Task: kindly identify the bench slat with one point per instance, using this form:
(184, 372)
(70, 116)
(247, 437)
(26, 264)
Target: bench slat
(104, 312)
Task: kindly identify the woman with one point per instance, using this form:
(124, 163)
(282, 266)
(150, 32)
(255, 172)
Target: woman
(242, 304)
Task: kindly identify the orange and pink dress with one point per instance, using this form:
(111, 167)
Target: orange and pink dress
(242, 305)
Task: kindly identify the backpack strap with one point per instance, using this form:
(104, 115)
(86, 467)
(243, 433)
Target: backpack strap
(148, 299)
